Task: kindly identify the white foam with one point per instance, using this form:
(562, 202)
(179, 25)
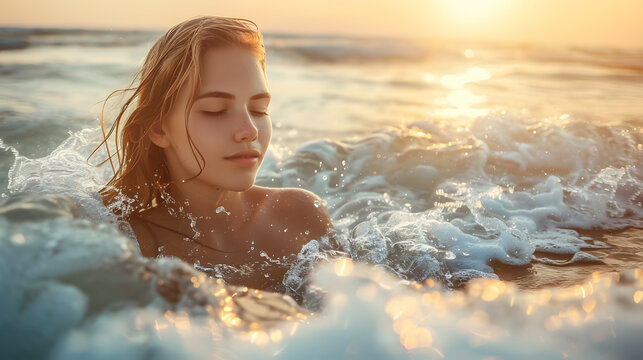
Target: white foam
(410, 205)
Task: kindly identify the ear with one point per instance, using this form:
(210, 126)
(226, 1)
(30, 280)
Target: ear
(158, 135)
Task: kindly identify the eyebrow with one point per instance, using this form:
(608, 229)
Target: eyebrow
(225, 95)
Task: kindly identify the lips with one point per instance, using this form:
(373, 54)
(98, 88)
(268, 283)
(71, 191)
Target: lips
(246, 158)
(245, 154)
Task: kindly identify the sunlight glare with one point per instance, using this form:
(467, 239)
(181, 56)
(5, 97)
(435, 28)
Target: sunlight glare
(473, 10)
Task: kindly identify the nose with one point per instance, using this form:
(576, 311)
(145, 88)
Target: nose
(247, 131)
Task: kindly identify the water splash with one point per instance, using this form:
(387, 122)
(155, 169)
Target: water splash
(221, 209)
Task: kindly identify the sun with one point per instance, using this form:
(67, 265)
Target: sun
(473, 10)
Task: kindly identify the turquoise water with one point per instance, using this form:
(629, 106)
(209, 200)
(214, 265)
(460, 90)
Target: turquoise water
(443, 161)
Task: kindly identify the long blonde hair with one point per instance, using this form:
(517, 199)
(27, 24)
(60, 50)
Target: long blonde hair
(140, 173)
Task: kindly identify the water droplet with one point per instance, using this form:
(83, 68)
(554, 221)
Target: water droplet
(316, 203)
(252, 248)
(343, 162)
(307, 232)
(325, 177)
(197, 233)
(286, 230)
(222, 209)
(449, 255)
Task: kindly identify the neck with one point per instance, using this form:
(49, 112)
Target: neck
(200, 202)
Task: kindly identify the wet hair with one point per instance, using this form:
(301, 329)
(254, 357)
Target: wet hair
(140, 170)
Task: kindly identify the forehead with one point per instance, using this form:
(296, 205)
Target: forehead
(232, 69)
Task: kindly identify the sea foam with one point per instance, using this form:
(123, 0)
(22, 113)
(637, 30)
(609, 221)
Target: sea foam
(410, 204)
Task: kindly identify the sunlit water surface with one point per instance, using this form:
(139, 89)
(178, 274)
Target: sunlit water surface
(511, 171)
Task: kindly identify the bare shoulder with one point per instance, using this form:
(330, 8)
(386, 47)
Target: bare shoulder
(300, 211)
(297, 203)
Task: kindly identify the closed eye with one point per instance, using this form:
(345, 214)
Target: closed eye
(220, 113)
(213, 113)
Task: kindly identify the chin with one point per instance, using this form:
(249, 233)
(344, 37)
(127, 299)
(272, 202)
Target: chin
(241, 185)
(232, 182)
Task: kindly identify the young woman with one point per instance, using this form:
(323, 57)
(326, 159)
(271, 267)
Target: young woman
(190, 140)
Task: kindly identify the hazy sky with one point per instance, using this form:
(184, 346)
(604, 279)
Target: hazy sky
(585, 22)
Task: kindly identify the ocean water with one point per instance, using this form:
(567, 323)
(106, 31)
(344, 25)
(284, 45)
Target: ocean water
(487, 200)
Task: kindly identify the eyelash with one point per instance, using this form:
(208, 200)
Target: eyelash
(220, 113)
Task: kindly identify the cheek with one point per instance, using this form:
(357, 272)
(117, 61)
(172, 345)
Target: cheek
(205, 131)
(265, 131)
(198, 128)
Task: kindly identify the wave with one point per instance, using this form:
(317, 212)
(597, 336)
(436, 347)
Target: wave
(84, 289)
(421, 203)
(614, 59)
(425, 202)
(352, 52)
(22, 38)
(326, 48)
(339, 48)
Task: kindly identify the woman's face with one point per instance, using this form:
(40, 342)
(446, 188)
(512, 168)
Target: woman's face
(229, 115)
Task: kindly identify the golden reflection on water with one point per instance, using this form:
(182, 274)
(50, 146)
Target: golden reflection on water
(529, 310)
(276, 335)
(343, 266)
(638, 295)
(461, 112)
(543, 297)
(476, 311)
(471, 75)
(415, 132)
(460, 103)
(464, 100)
(258, 337)
(487, 289)
(588, 305)
(413, 337)
(580, 303)
(182, 321)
